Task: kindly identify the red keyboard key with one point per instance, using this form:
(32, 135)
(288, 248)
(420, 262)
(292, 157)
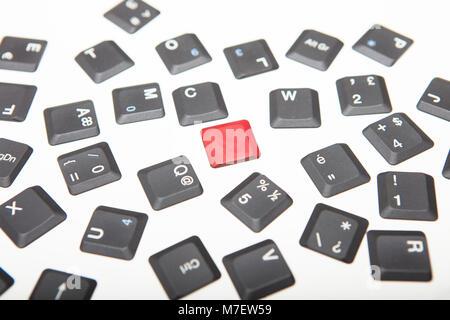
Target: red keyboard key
(230, 143)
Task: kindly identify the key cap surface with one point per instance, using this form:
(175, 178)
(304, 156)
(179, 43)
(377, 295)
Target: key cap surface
(399, 255)
(6, 281)
(21, 54)
(446, 170)
(397, 138)
(170, 182)
(258, 271)
(29, 215)
(184, 268)
(257, 201)
(315, 49)
(436, 99)
(15, 101)
(334, 233)
(57, 285)
(335, 169)
(294, 108)
(13, 156)
(89, 168)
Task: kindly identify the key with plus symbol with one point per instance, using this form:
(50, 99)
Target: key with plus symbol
(13, 156)
(436, 99)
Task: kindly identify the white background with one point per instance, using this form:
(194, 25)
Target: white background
(73, 26)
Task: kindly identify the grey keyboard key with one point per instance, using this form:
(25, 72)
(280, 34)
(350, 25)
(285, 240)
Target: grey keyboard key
(446, 170)
(13, 156)
(6, 281)
(436, 99)
(21, 54)
(15, 101)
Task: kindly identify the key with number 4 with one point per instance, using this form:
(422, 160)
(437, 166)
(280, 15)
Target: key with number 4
(436, 99)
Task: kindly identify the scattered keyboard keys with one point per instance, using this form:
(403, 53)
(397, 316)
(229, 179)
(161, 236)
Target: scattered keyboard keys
(446, 170)
(399, 255)
(436, 99)
(383, 45)
(170, 182)
(199, 103)
(397, 138)
(114, 233)
(183, 53)
(57, 285)
(29, 215)
(315, 49)
(334, 233)
(407, 195)
(257, 201)
(103, 61)
(335, 169)
(71, 122)
(89, 168)
(138, 103)
(15, 101)
(131, 15)
(258, 271)
(13, 156)
(184, 268)
(21, 54)
(294, 108)
(230, 143)
(363, 95)
(6, 281)
(251, 58)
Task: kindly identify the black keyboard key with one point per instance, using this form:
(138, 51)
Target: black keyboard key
(57, 285)
(383, 45)
(114, 233)
(294, 108)
(21, 54)
(258, 271)
(446, 170)
(29, 215)
(397, 138)
(15, 101)
(138, 103)
(103, 61)
(183, 53)
(170, 182)
(363, 95)
(71, 122)
(436, 99)
(315, 49)
(131, 15)
(184, 268)
(6, 281)
(335, 169)
(89, 168)
(399, 255)
(13, 156)
(251, 58)
(257, 201)
(334, 233)
(199, 103)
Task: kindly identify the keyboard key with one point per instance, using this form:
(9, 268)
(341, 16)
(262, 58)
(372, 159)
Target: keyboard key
(199, 103)
(29, 215)
(335, 169)
(71, 122)
(21, 54)
(6, 281)
(13, 156)
(131, 15)
(407, 195)
(294, 108)
(315, 49)
(138, 103)
(397, 138)
(251, 58)
(114, 233)
(363, 95)
(399, 255)
(257, 201)
(230, 143)
(383, 45)
(89, 168)
(170, 182)
(258, 271)
(15, 101)
(436, 99)
(57, 285)
(446, 170)
(103, 61)
(334, 233)
(184, 268)
(183, 53)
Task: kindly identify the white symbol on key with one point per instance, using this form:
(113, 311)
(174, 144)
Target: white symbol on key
(262, 185)
(190, 265)
(345, 225)
(397, 122)
(394, 177)
(61, 289)
(274, 196)
(74, 176)
(90, 52)
(150, 93)
(319, 241)
(263, 61)
(9, 111)
(320, 159)
(331, 177)
(96, 234)
(415, 246)
(400, 43)
(131, 4)
(69, 162)
(135, 21)
(187, 180)
(33, 47)
(381, 127)
(127, 222)
(269, 255)
(337, 247)
(436, 99)
(8, 55)
(171, 44)
(146, 14)
(13, 207)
